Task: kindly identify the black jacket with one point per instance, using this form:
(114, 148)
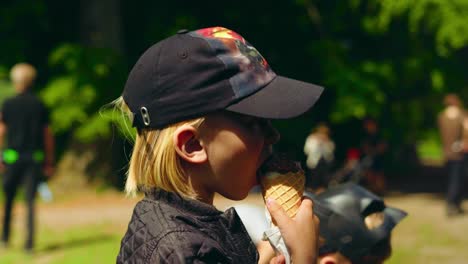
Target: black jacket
(166, 228)
(25, 117)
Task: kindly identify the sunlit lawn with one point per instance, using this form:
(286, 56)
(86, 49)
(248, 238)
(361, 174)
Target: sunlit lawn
(84, 244)
(61, 236)
(429, 244)
(426, 243)
(425, 236)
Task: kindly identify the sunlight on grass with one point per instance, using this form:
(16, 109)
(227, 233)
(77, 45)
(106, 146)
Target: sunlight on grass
(425, 240)
(85, 244)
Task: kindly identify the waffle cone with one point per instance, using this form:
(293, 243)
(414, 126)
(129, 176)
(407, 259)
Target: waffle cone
(286, 189)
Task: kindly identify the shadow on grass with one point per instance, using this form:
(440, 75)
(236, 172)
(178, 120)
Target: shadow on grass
(78, 242)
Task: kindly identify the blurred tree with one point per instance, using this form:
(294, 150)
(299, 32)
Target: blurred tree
(392, 60)
(445, 19)
(89, 75)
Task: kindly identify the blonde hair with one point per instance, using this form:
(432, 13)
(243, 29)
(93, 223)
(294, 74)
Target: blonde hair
(374, 220)
(154, 161)
(23, 74)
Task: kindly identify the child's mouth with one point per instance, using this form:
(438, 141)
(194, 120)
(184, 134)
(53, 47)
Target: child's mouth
(261, 169)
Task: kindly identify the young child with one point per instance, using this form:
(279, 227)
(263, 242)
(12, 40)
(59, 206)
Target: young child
(201, 103)
(355, 225)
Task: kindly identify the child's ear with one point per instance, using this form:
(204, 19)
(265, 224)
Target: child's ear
(187, 145)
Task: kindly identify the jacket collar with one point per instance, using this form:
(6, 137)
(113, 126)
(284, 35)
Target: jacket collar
(192, 206)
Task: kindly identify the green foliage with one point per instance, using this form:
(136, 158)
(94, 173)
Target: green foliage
(393, 60)
(437, 79)
(78, 91)
(358, 90)
(429, 147)
(448, 20)
(6, 90)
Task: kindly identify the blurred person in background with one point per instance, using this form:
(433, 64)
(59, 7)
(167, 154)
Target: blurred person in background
(352, 170)
(319, 149)
(27, 147)
(373, 149)
(451, 128)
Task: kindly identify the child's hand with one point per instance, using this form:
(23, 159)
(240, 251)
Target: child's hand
(301, 233)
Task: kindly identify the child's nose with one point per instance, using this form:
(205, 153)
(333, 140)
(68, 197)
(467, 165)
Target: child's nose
(271, 134)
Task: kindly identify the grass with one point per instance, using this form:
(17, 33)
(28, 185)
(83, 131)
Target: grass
(426, 236)
(84, 244)
(99, 243)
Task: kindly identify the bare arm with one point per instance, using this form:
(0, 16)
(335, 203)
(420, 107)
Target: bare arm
(3, 129)
(49, 147)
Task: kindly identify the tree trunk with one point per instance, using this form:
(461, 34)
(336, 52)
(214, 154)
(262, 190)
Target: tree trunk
(100, 161)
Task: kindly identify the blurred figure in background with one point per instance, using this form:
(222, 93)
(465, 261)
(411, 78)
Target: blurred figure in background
(373, 149)
(352, 170)
(29, 147)
(355, 225)
(450, 122)
(319, 149)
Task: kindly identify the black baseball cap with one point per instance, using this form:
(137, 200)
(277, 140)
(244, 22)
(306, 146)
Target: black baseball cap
(342, 210)
(193, 73)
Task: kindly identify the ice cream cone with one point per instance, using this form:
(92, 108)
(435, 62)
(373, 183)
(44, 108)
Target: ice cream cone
(284, 182)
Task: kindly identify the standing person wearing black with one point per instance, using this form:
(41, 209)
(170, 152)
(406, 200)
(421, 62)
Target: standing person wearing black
(28, 147)
(373, 148)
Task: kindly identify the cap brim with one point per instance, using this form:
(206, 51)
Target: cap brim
(280, 99)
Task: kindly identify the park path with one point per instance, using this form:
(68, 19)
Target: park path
(91, 207)
(87, 207)
(427, 232)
